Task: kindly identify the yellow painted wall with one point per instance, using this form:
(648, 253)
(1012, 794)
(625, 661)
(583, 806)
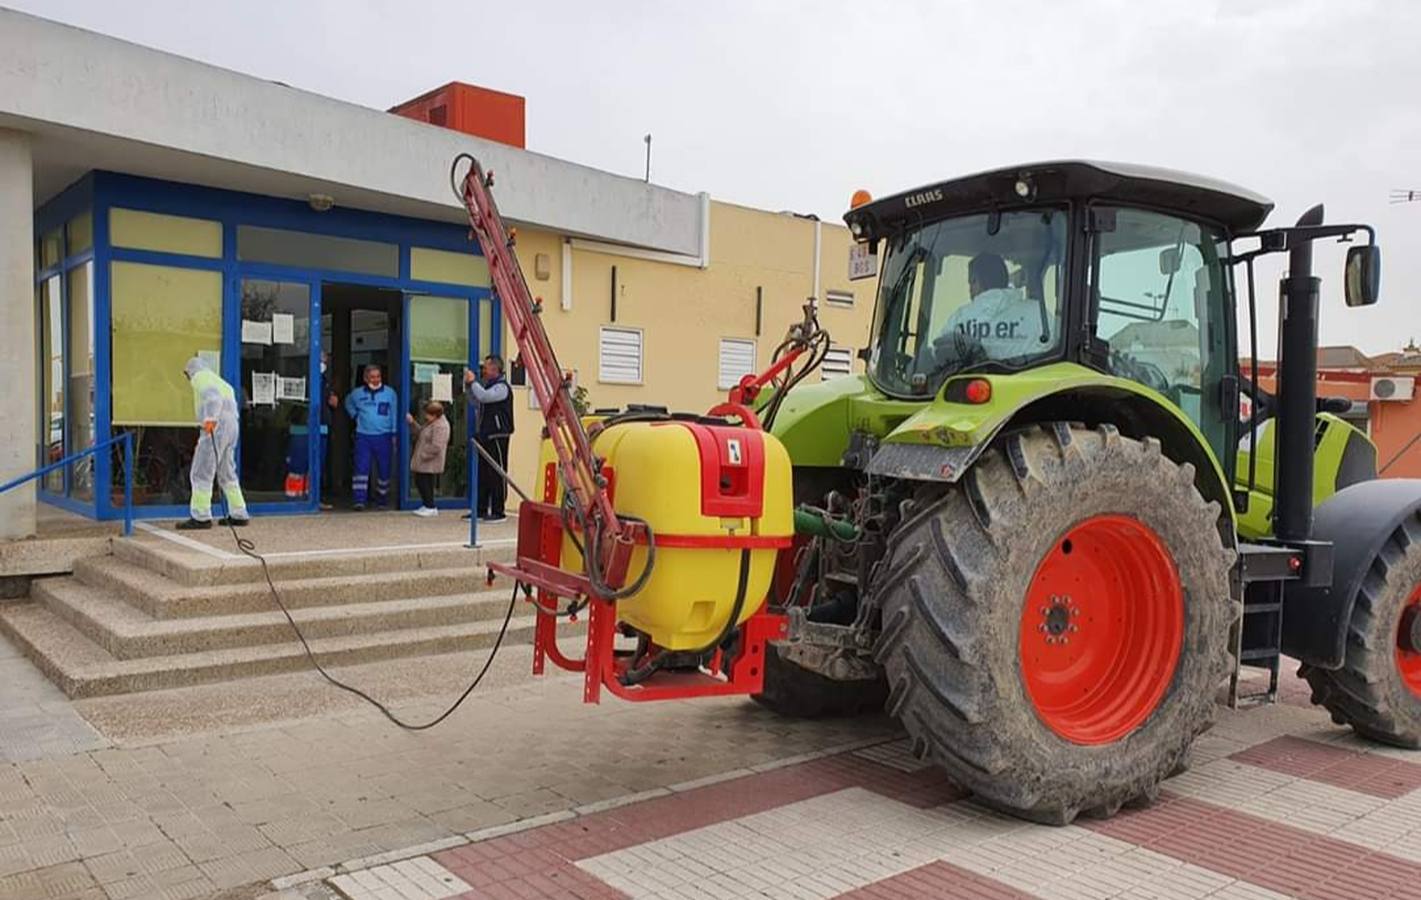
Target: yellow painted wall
(684, 311)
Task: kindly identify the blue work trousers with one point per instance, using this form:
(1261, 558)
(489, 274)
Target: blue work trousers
(377, 450)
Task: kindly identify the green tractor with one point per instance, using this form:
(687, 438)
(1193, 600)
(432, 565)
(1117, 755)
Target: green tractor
(1040, 529)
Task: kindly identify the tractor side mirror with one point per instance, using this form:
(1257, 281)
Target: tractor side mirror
(1169, 261)
(1363, 274)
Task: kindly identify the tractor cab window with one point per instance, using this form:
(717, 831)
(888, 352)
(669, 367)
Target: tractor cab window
(1162, 308)
(980, 292)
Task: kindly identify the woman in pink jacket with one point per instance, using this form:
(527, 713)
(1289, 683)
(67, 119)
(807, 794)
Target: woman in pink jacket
(431, 440)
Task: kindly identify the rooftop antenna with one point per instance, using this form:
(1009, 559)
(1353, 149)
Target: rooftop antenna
(648, 157)
(1398, 195)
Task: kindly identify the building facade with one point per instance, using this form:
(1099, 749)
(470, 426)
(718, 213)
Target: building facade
(157, 208)
(1382, 390)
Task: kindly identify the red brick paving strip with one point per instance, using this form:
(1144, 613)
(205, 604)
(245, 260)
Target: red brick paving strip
(936, 879)
(1271, 855)
(541, 862)
(1355, 770)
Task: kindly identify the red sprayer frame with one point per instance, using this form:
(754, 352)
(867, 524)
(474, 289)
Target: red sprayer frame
(541, 526)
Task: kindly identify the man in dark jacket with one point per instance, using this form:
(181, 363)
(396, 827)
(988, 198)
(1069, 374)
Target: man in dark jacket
(492, 402)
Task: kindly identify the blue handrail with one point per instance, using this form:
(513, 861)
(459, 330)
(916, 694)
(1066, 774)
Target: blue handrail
(126, 438)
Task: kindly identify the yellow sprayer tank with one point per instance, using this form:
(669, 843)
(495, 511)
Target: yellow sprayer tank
(709, 493)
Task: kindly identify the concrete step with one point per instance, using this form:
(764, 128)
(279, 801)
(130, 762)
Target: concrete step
(162, 598)
(83, 668)
(128, 633)
(200, 570)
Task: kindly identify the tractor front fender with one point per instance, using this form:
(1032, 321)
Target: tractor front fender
(1357, 520)
(943, 440)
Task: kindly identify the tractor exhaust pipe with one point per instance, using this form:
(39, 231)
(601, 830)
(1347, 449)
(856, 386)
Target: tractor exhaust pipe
(1297, 389)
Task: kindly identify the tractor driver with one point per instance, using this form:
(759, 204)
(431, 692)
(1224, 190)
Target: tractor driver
(999, 319)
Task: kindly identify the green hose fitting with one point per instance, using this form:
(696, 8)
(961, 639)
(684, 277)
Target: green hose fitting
(817, 523)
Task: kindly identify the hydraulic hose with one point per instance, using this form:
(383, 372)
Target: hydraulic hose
(818, 523)
(640, 674)
(248, 548)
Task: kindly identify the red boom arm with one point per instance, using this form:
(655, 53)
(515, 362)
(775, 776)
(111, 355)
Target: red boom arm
(578, 467)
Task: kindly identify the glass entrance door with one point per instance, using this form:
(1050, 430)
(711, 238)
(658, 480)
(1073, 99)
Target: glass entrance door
(438, 352)
(278, 454)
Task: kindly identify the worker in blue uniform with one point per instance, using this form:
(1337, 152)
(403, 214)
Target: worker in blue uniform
(374, 406)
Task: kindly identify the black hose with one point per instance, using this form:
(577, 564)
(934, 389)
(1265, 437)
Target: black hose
(819, 351)
(454, 180)
(640, 674)
(593, 562)
(248, 548)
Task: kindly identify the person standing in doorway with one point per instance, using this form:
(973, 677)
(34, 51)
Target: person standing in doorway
(431, 440)
(373, 407)
(215, 406)
(492, 402)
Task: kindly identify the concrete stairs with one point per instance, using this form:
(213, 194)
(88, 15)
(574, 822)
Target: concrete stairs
(150, 617)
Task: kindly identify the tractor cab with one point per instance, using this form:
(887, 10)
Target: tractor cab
(1123, 269)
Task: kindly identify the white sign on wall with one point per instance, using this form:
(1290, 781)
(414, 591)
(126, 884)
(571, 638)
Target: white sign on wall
(862, 263)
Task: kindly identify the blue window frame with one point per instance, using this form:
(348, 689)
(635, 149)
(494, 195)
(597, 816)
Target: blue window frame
(101, 191)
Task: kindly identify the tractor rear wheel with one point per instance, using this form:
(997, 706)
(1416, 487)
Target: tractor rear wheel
(1055, 625)
(1378, 688)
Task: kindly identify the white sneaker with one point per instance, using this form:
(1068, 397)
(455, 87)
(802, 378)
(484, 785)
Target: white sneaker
(424, 512)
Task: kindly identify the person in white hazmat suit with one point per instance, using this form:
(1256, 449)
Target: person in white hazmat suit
(215, 405)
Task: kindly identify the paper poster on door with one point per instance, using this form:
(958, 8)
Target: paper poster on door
(263, 388)
(256, 332)
(443, 387)
(424, 373)
(290, 388)
(283, 328)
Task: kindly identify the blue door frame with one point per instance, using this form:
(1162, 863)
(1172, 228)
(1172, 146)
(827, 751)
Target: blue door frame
(100, 191)
(232, 374)
(475, 297)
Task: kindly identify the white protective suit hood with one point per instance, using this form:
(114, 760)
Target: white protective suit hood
(193, 366)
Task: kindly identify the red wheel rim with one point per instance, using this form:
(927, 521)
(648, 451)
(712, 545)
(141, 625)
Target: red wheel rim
(1408, 660)
(1101, 629)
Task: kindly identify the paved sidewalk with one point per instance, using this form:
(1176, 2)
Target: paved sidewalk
(1278, 803)
(286, 788)
(192, 815)
(36, 719)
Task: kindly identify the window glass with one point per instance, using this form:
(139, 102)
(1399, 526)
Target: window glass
(969, 292)
(439, 329)
(161, 316)
(316, 251)
(485, 327)
(1161, 306)
(139, 230)
(442, 265)
(51, 359)
(275, 437)
(79, 233)
(51, 248)
(80, 290)
(162, 465)
(439, 352)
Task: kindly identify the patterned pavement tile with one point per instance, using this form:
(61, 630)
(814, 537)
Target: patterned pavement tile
(1355, 770)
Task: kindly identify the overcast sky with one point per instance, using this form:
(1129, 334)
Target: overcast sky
(793, 105)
